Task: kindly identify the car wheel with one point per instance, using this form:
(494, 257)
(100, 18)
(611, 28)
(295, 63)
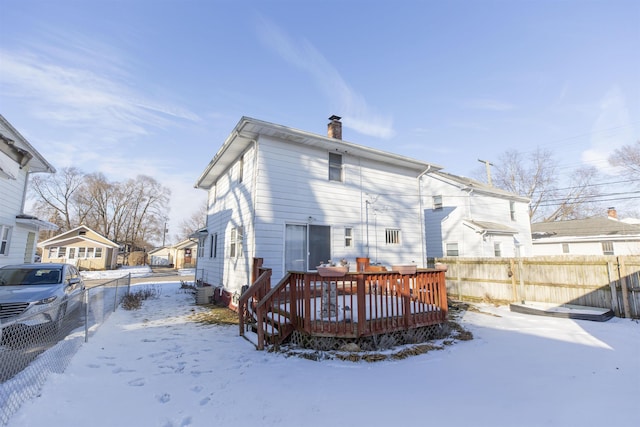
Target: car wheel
(62, 311)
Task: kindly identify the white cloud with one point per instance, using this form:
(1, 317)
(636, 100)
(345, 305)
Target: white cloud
(358, 115)
(611, 130)
(82, 98)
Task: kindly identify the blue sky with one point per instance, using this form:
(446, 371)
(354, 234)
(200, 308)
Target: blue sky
(154, 87)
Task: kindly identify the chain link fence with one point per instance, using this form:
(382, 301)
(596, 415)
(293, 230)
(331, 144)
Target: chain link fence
(44, 344)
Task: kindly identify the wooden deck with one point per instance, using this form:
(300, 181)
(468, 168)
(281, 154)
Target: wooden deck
(352, 306)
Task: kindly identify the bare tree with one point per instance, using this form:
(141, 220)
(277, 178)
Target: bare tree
(56, 195)
(148, 207)
(131, 213)
(576, 201)
(536, 177)
(628, 159)
(196, 221)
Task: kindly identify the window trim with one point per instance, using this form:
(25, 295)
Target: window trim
(392, 236)
(241, 169)
(235, 242)
(512, 210)
(348, 237)
(437, 202)
(5, 239)
(449, 252)
(336, 168)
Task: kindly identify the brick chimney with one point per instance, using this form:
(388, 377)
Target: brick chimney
(611, 213)
(334, 128)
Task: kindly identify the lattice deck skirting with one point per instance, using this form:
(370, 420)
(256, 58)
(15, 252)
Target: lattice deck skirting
(371, 343)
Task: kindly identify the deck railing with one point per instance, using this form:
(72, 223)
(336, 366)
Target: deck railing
(352, 306)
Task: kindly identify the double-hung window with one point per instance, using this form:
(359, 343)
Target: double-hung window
(335, 167)
(348, 237)
(452, 249)
(5, 236)
(235, 250)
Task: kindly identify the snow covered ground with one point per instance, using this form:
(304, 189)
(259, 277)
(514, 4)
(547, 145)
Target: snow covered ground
(154, 367)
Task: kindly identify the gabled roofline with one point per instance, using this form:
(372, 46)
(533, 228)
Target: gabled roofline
(50, 242)
(42, 165)
(469, 184)
(248, 130)
(62, 237)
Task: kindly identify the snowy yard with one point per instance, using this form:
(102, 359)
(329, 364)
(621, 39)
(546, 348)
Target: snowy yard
(155, 367)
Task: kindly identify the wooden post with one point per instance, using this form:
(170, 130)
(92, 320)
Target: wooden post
(406, 301)
(293, 299)
(442, 291)
(362, 305)
(255, 272)
(625, 288)
(260, 327)
(307, 303)
(614, 294)
(458, 280)
(522, 299)
(512, 269)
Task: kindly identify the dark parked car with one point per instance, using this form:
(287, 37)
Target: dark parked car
(37, 294)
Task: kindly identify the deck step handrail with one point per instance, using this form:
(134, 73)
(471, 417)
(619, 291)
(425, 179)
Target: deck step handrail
(269, 311)
(254, 294)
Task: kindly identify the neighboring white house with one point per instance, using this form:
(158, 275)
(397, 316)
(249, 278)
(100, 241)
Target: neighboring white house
(180, 255)
(590, 236)
(298, 199)
(467, 218)
(18, 231)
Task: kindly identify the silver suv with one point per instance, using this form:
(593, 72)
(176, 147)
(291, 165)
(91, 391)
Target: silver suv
(36, 294)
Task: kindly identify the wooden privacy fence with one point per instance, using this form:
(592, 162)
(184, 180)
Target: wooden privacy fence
(596, 281)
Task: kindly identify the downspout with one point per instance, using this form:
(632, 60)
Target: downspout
(254, 195)
(24, 191)
(423, 238)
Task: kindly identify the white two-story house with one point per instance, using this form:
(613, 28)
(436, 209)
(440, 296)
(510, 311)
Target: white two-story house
(18, 231)
(467, 218)
(298, 199)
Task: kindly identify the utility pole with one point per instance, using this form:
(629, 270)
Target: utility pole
(164, 233)
(488, 165)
